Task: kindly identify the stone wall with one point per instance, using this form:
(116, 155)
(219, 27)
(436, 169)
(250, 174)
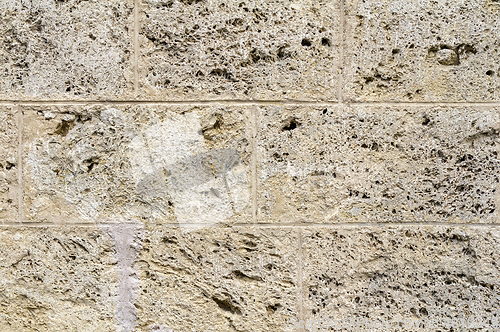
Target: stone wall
(263, 165)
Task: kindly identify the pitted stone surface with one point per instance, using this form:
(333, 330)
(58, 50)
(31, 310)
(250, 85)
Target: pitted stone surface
(9, 168)
(276, 49)
(263, 165)
(57, 280)
(162, 164)
(379, 164)
(66, 49)
(422, 50)
(217, 279)
(431, 275)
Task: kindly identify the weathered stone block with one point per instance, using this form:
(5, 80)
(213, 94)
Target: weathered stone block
(217, 279)
(402, 279)
(379, 164)
(280, 49)
(9, 168)
(443, 50)
(57, 280)
(142, 163)
(66, 49)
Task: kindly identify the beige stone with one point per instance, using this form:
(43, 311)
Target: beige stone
(57, 280)
(262, 165)
(422, 50)
(217, 279)
(9, 166)
(396, 278)
(378, 164)
(137, 163)
(66, 49)
(280, 49)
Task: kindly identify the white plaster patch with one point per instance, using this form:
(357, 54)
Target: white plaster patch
(128, 244)
(204, 186)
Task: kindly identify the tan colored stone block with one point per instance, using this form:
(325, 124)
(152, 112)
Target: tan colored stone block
(401, 278)
(141, 163)
(217, 279)
(9, 167)
(57, 280)
(422, 50)
(280, 49)
(378, 164)
(66, 49)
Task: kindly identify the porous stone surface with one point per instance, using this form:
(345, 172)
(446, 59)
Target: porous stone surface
(440, 277)
(378, 164)
(443, 50)
(66, 49)
(9, 166)
(217, 279)
(57, 279)
(136, 163)
(278, 49)
(260, 165)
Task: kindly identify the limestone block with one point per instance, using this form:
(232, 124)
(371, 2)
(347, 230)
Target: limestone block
(378, 164)
(57, 280)
(66, 49)
(137, 163)
(9, 168)
(217, 279)
(280, 49)
(422, 50)
(402, 279)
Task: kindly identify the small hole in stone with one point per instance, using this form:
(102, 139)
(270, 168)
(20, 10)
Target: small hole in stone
(490, 72)
(291, 126)
(306, 42)
(325, 42)
(9, 165)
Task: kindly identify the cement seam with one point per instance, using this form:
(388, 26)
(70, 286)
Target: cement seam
(253, 147)
(300, 276)
(20, 125)
(136, 47)
(256, 225)
(237, 102)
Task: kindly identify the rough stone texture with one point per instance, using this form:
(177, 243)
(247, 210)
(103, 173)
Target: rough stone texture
(66, 49)
(261, 165)
(57, 280)
(9, 168)
(378, 164)
(142, 163)
(217, 279)
(444, 50)
(276, 49)
(394, 274)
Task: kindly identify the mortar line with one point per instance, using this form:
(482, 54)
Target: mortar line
(167, 102)
(136, 47)
(20, 125)
(253, 125)
(341, 54)
(365, 224)
(244, 102)
(253, 225)
(300, 282)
